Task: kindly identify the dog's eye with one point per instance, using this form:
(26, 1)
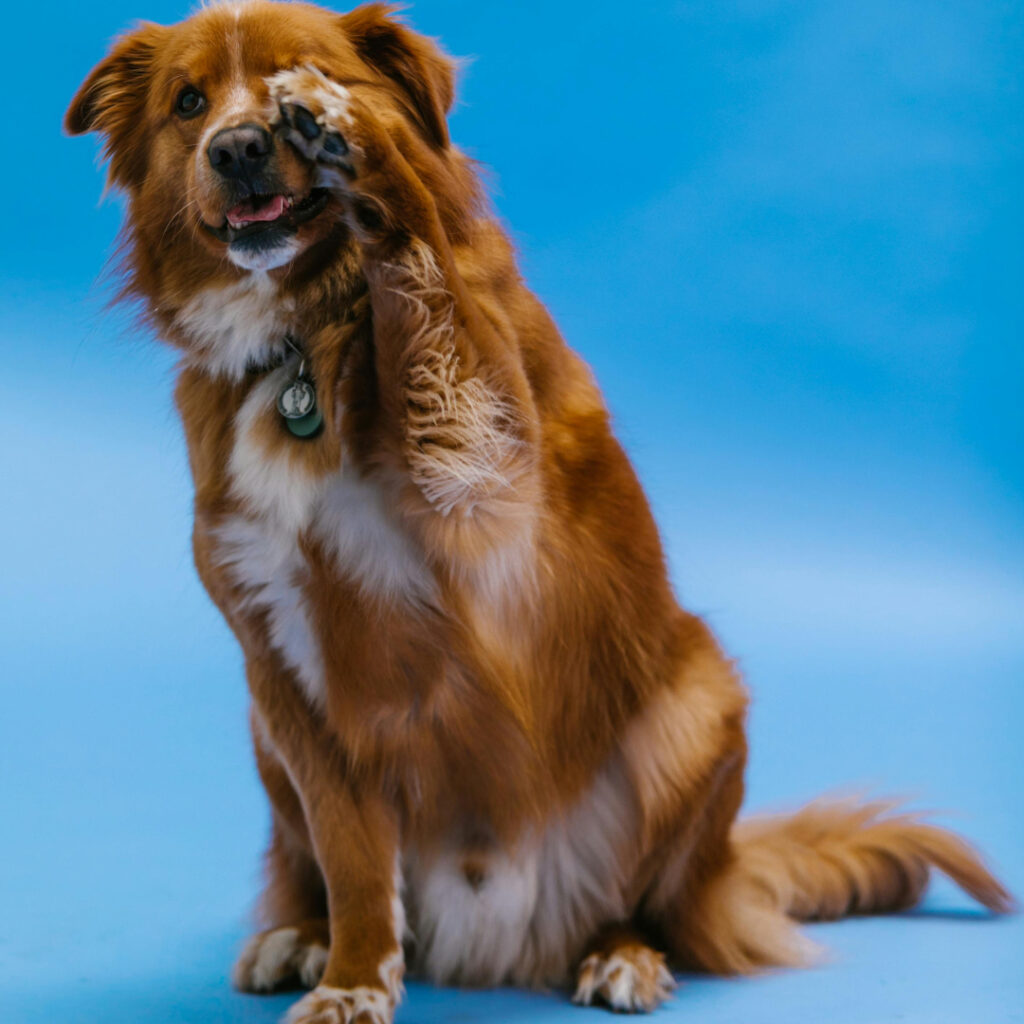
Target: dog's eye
(190, 102)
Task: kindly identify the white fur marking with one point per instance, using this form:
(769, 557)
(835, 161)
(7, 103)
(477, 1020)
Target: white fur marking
(235, 326)
(273, 485)
(392, 967)
(293, 85)
(263, 962)
(267, 563)
(477, 935)
(328, 1005)
(261, 549)
(312, 964)
(504, 577)
(536, 906)
(239, 99)
(368, 545)
(265, 259)
(282, 499)
(270, 958)
(618, 981)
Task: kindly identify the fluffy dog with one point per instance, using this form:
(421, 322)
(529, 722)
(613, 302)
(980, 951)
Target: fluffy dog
(494, 746)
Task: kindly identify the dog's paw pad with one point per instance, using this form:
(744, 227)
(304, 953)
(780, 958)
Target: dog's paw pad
(633, 979)
(313, 112)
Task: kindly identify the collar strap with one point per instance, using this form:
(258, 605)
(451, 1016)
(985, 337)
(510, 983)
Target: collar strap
(278, 358)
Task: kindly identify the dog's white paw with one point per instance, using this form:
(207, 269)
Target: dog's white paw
(278, 957)
(633, 979)
(326, 1005)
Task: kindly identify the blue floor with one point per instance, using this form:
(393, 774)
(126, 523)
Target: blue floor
(788, 239)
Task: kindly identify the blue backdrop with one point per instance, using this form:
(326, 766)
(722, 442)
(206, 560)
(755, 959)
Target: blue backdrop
(788, 238)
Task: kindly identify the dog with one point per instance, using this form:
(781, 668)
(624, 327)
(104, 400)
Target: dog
(495, 748)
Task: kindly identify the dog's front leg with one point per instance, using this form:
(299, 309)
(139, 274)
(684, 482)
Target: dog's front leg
(457, 405)
(355, 838)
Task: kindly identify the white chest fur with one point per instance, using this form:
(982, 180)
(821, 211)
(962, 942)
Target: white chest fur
(281, 501)
(236, 326)
(536, 904)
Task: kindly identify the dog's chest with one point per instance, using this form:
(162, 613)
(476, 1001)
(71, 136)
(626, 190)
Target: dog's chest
(288, 514)
(233, 327)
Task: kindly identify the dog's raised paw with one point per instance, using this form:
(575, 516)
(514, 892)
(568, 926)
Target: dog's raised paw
(282, 956)
(314, 114)
(632, 979)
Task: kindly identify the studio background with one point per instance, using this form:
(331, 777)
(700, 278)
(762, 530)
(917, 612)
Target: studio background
(787, 237)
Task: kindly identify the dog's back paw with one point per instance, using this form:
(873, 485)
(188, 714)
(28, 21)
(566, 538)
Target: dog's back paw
(279, 957)
(629, 978)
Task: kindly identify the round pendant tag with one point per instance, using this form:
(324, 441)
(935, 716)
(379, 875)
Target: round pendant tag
(297, 400)
(307, 426)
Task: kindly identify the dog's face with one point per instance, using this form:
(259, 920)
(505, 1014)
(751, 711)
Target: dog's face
(190, 133)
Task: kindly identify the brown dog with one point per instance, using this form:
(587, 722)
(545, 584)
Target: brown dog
(494, 745)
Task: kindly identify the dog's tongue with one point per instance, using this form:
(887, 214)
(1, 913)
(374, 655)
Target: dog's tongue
(258, 209)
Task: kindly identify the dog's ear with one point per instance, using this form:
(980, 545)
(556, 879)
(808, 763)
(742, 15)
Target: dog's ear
(112, 100)
(416, 63)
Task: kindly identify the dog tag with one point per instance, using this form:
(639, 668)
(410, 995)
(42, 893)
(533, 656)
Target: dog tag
(305, 426)
(297, 400)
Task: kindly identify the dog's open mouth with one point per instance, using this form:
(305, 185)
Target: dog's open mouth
(259, 213)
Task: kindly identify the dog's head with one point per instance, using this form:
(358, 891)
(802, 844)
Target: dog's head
(187, 125)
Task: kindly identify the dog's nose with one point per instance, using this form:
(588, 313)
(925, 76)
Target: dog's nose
(240, 152)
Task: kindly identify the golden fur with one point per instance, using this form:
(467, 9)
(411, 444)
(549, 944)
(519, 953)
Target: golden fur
(494, 746)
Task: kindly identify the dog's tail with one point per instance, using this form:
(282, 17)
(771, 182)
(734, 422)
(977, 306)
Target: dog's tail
(828, 860)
